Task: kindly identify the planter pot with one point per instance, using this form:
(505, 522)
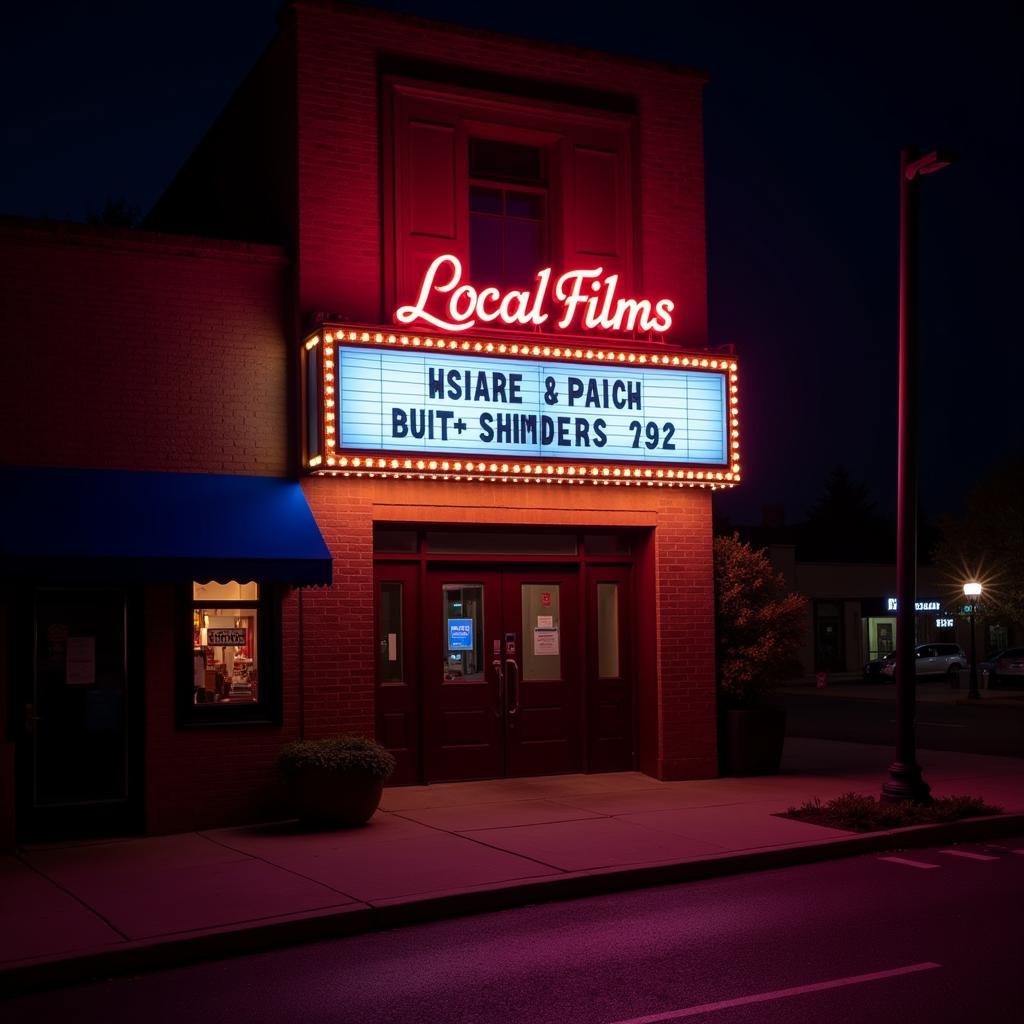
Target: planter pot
(750, 740)
(327, 799)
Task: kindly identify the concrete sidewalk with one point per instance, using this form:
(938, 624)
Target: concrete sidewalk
(76, 910)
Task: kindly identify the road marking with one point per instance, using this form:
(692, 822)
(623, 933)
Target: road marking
(969, 856)
(909, 863)
(782, 993)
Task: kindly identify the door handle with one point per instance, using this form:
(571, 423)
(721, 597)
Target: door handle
(500, 708)
(513, 693)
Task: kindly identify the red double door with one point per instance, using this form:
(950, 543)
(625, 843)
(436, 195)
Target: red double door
(501, 674)
(495, 671)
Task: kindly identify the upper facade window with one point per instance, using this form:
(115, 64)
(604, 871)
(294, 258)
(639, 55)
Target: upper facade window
(508, 197)
(508, 187)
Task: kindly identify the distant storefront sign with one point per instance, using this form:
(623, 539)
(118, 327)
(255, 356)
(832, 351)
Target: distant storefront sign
(919, 606)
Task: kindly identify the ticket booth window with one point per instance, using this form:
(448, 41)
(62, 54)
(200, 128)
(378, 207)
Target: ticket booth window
(225, 643)
(229, 661)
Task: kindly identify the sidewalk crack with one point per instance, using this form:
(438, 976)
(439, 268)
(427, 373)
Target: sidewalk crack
(67, 892)
(280, 867)
(480, 842)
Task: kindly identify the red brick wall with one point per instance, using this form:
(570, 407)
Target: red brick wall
(339, 627)
(340, 231)
(685, 702)
(128, 350)
(209, 776)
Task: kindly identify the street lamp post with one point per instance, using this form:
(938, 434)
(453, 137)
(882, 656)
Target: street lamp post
(905, 781)
(972, 591)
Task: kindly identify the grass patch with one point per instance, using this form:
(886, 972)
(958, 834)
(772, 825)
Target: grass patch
(857, 812)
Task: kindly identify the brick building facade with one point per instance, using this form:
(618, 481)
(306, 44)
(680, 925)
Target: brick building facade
(363, 146)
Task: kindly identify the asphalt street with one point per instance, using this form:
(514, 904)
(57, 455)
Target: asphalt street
(924, 936)
(973, 730)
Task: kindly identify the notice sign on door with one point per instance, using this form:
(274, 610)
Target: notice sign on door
(545, 641)
(225, 637)
(81, 660)
(460, 634)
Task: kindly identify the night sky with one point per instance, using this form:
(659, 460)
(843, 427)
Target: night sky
(805, 113)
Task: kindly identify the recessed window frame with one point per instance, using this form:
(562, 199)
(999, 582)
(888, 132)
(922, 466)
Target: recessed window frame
(267, 708)
(560, 127)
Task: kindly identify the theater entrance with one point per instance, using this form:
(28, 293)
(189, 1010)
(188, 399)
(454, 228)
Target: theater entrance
(501, 673)
(498, 669)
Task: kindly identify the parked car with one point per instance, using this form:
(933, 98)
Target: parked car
(932, 660)
(873, 668)
(1005, 667)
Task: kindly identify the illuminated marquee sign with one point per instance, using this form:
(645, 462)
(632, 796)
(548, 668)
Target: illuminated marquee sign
(399, 401)
(585, 299)
(426, 407)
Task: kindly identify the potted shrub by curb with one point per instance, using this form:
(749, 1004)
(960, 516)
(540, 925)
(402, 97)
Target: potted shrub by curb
(758, 627)
(336, 782)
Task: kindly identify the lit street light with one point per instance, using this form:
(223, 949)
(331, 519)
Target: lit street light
(905, 781)
(972, 591)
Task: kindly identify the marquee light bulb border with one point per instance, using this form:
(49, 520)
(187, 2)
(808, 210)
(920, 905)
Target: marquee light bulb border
(335, 461)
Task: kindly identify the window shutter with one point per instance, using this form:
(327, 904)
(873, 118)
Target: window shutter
(430, 189)
(598, 198)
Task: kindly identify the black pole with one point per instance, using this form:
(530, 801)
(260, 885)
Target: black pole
(973, 693)
(905, 781)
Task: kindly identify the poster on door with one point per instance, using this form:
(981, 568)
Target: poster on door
(460, 634)
(545, 641)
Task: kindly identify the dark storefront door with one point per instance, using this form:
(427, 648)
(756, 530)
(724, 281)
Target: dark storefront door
(829, 653)
(502, 653)
(74, 761)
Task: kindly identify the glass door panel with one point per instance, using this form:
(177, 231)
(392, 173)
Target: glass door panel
(541, 622)
(398, 679)
(609, 684)
(463, 632)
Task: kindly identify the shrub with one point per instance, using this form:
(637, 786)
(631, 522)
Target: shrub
(345, 755)
(857, 812)
(758, 625)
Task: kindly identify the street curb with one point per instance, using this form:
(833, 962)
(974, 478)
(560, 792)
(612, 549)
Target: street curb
(890, 698)
(361, 918)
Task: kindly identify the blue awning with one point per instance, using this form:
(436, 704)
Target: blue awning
(90, 525)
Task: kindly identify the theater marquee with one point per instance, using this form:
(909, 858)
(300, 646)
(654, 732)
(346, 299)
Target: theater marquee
(410, 405)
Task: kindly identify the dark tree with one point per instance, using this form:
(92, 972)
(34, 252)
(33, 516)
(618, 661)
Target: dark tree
(844, 524)
(758, 624)
(115, 213)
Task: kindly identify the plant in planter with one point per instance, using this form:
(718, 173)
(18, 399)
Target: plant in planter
(758, 627)
(336, 782)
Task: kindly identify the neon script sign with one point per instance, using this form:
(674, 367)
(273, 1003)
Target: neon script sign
(587, 300)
